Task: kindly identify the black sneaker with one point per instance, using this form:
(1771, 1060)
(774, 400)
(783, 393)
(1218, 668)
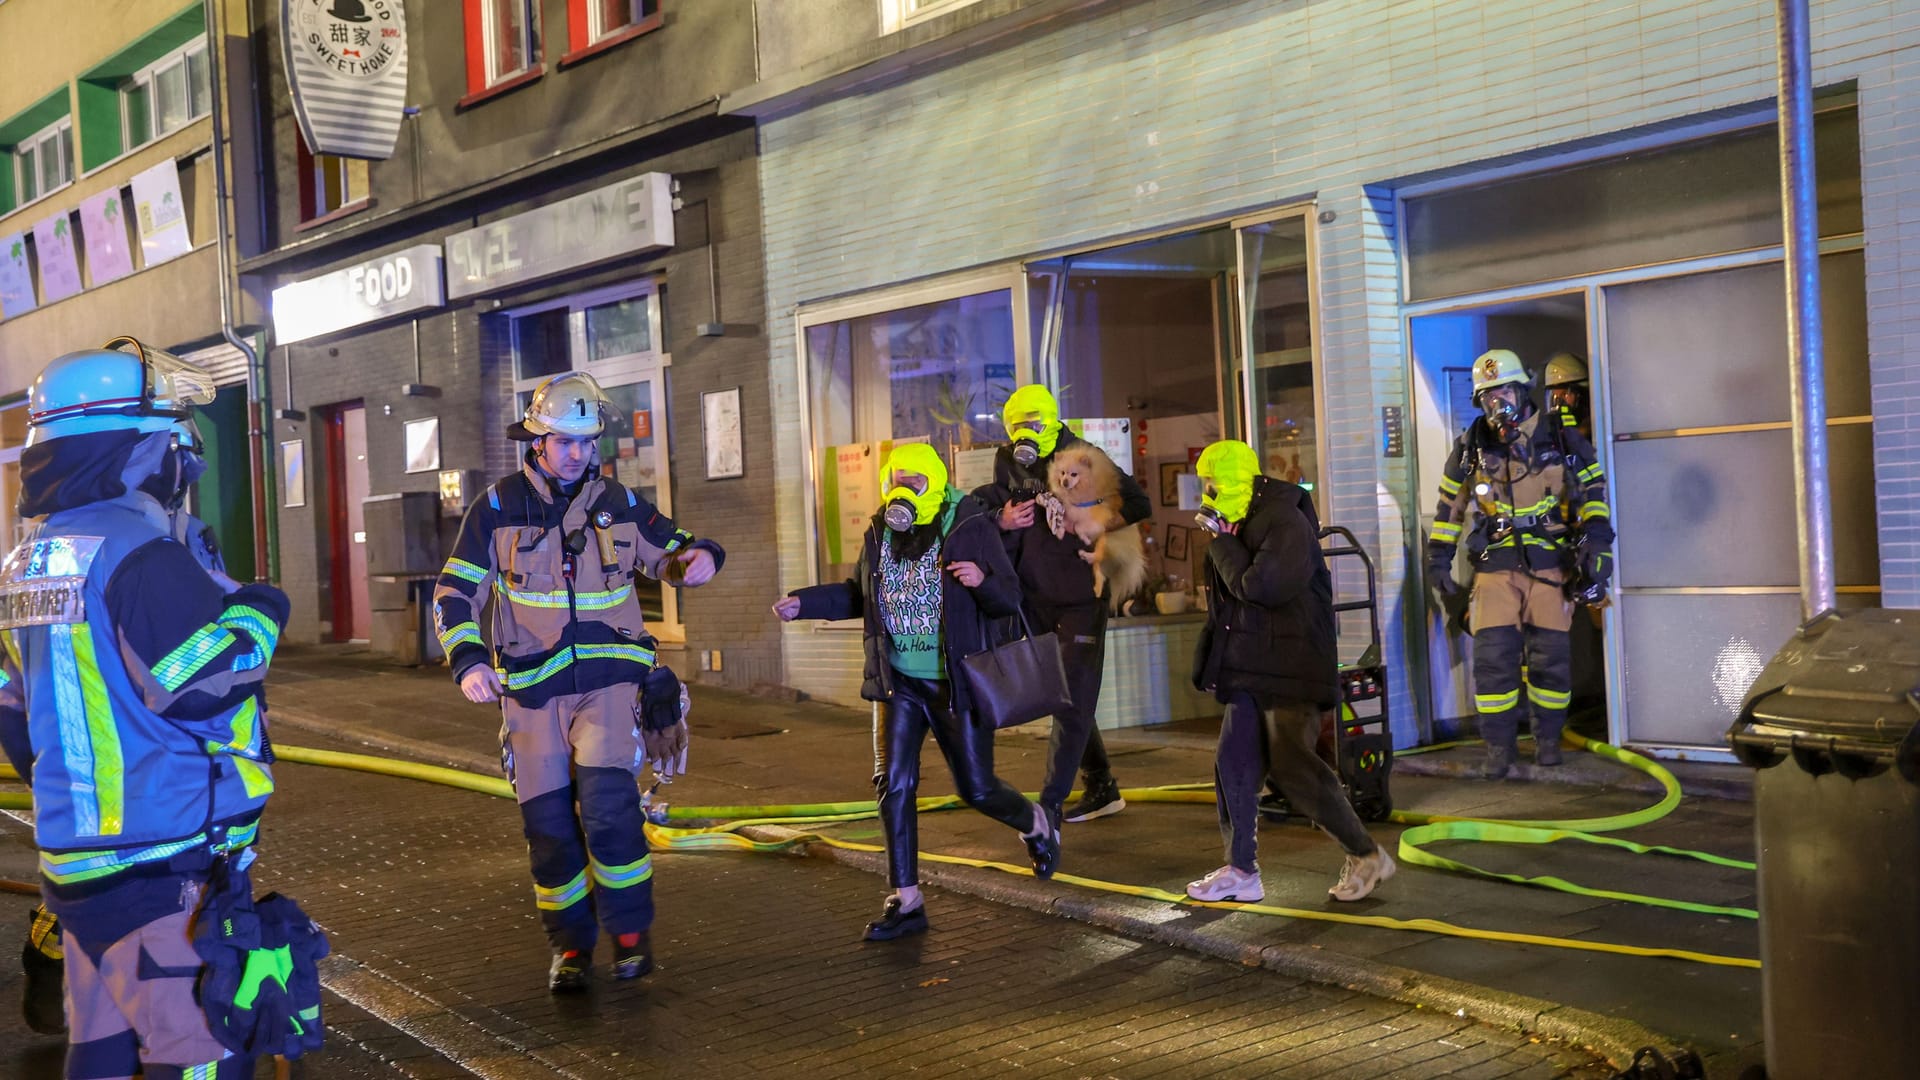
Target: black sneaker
(1044, 850)
(568, 975)
(1098, 800)
(632, 961)
(896, 923)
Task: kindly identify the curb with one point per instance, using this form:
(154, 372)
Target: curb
(1614, 1039)
(434, 752)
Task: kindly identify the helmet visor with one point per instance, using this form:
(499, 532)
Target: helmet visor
(176, 386)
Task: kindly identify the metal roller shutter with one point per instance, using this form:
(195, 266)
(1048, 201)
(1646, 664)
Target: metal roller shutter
(227, 364)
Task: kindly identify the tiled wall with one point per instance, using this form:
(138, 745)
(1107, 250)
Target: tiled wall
(1158, 113)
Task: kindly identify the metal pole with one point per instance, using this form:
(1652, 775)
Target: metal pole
(1806, 353)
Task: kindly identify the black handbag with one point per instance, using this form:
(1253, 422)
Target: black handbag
(1018, 681)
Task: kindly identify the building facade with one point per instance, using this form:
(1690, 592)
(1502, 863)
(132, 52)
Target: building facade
(107, 226)
(1297, 224)
(564, 194)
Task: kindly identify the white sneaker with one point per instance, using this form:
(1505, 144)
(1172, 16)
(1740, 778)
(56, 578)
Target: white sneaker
(1228, 883)
(1361, 874)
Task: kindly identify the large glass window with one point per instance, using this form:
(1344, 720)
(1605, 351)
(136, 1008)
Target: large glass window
(1278, 302)
(936, 372)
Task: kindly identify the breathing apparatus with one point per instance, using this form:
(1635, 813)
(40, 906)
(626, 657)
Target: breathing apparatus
(1227, 468)
(1032, 417)
(918, 480)
(1493, 369)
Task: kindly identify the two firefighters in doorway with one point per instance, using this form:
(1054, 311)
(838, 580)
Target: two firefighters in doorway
(1540, 540)
(1056, 582)
(131, 702)
(559, 546)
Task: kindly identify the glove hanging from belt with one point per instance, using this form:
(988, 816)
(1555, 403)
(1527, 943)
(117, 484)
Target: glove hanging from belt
(661, 713)
(260, 990)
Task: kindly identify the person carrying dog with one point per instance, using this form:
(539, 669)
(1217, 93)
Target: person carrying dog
(932, 579)
(1057, 581)
(1267, 654)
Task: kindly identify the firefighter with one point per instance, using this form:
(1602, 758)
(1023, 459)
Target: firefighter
(101, 607)
(558, 547)
(1568, 396)
(1540, 537)
(1056, 581)
(44, 988)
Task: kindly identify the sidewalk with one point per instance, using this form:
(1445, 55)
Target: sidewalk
(749, 750)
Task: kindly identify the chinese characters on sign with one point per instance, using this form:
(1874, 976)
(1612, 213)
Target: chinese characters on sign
(347, 65)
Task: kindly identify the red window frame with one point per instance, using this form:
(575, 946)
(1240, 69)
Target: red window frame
(312, 213)
(478, 89)
(579, 47)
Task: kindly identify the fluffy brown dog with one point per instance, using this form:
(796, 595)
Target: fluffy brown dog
(1087, 483)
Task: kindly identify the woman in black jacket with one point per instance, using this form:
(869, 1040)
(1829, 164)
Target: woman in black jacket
(1268, 654)
(933, 574)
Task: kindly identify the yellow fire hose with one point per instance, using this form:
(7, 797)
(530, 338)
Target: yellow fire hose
(1426, 829)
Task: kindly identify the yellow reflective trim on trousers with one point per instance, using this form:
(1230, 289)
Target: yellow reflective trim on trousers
(109, 770)
(1589, 511)
(1496, 702)
(621, 877)
(465, 570)
(1591, 473)
(563, 897)
(1549, 699)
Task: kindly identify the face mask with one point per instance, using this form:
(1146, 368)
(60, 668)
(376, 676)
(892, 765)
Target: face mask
(899, 515)
(920, 503)
(1228, 468)
(1025, 452)
(1503, 417)
(1025, 405)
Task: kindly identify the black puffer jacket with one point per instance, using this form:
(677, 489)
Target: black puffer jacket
(971, 620)
(1270, 627)
(1052, 573)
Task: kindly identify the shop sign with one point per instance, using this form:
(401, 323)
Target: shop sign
(103, 229)
(1114, 435)
(59, 269)
(626, 218)
(347, 67)
(395, 284)
(16, 280)
(158, 214)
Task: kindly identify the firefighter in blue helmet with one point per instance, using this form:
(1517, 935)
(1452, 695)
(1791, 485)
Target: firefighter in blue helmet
(130, 696)
(1541, 540)
(558, 546)
(43, 990)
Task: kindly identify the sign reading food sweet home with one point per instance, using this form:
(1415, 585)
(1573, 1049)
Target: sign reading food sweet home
(393, 284)
(626, 218)
(347, 63)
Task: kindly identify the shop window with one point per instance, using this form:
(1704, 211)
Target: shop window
(898, 14)
(330, 184)
(43, 162)
(503, 44)
(1694, 199)
(165, 96)
(936, 372)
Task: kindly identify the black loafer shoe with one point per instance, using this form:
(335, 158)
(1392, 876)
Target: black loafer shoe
(1044, 850)
(896, 923)
(568, 975)
(632, 961)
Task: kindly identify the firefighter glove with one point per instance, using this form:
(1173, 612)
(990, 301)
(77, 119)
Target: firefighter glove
(1440, 575)
(666, 750)
(1596, 564)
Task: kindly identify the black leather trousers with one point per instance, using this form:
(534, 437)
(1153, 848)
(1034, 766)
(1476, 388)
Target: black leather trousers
(899, 731)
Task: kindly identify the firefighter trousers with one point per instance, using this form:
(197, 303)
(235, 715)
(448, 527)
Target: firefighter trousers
(572, 765)
(1520, 644)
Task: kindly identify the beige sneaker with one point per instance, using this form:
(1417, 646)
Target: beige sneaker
(1361, 874)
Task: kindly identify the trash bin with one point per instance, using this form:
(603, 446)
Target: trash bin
(1830, 727)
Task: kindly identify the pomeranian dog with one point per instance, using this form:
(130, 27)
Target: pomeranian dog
(1087, 484)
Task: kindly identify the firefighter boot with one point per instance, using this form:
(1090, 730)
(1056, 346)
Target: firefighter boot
(44, 994)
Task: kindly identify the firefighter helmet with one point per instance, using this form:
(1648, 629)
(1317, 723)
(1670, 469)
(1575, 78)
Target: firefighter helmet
(1496, 367)
(121, 386)
(1565, 369)
(569, 404)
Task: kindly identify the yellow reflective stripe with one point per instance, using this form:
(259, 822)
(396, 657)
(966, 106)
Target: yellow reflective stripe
(259, 626)
(72, 867)
(586, 601)
(258, 780)
(1496, 702)
(184, 662)
(1549, 699)
(681, 538)
(1589, 511)
(466, 571)
(622, 877)
(536, 599)
(1449, 487)
(563, 897)
(1547, 542)
(109, 770)
(209, 1071)
(1446, 532)
(462, 634)
(637, 653)
(520, 680)
(1591, 473)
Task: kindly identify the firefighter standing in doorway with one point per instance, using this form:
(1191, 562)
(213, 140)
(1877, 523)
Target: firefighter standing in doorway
(1568, 396)
(1540, 538)
(559, 547)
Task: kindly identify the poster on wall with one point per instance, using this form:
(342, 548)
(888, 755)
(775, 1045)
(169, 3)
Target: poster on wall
(974, 468)
(59, 267)
(159, 215)
(103, 230)
(1112, 434)
(346, 63)
(851, 479)
(720, 430)
(16, 279)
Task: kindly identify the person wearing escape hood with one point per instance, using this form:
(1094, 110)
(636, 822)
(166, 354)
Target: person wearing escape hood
(1056, 580)
(932, 578)
(1267, 654)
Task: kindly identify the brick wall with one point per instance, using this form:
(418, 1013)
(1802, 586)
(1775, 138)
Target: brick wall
(1179, 110)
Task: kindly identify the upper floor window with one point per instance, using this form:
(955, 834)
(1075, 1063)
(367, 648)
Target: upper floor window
(43, 161)
(166, 95)
(330, 184)
(503, 41)
(899, 14)
(606, 18)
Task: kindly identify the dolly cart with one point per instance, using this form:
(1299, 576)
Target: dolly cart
(1359, 745)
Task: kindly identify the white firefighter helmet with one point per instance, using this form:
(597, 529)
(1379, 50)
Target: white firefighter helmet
(1565, 369)
(569, 404)
(1496, 367)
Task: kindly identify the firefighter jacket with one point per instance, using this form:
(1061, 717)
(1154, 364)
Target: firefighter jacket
(560, 573)
(1535, 499)
(138, 681)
